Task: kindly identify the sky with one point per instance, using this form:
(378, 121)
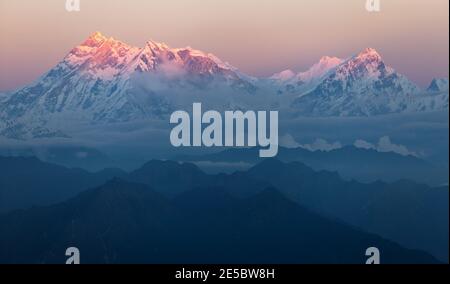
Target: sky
(260, 37)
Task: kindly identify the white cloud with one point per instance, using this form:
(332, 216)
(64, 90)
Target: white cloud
(322, 145)
(319, 144)
(364, 144)
(385, 145)
(288, 141)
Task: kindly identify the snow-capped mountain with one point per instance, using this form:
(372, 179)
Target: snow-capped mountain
(283, 76)
(438, 85)
(291, 82)
(106, 80)
(364, 85)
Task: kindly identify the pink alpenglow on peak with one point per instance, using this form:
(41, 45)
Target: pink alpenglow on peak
(100, 57)
(157, 46)
(368, 64)
(104, 80)
(369, 52)
(105, 58)
(94, 39)
(315, 72)
(318, 70)
(283, 75)
(364, 85)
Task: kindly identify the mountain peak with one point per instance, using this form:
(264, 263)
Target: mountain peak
(283, 75)
(363, 85)
(318, 70)
(96, 34)
(330, 59)
(369, 53)
(367, 64)
(438, 85)
(154, 45)
(95, 39)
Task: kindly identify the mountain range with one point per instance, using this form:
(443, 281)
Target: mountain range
(411, 214)
(364, 165)
(104, 81)
(44, 183)
(122, 222)
(363, 86)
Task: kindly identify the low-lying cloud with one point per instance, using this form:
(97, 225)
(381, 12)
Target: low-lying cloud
(385, 145)
(318, 145)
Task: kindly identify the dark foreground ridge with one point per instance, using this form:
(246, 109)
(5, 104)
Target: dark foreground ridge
(123, 222)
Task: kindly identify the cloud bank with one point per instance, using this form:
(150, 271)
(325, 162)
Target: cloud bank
(384, 144)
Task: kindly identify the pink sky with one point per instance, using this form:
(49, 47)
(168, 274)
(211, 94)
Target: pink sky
(260, 37)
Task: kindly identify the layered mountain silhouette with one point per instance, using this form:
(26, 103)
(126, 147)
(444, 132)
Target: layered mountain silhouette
(122, 222)
(27, 181)
(403, 211)
(411, 214)
(106, 81)
(66, 155)
(365, 165)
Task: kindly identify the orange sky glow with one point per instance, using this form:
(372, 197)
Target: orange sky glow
(260, 37)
